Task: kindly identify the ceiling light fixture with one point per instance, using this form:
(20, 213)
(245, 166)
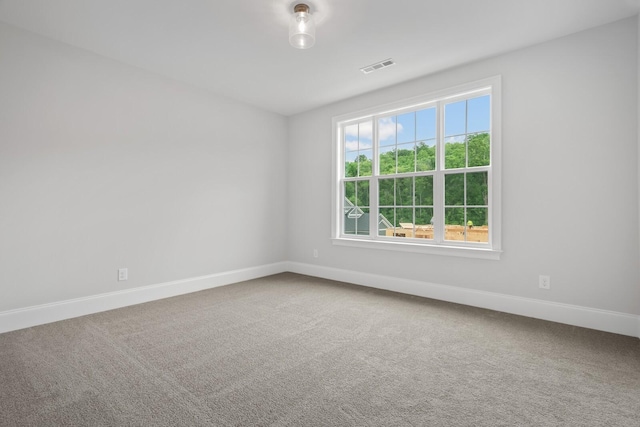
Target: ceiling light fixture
(302, 28)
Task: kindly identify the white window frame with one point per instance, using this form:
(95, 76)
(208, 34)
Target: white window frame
(438, 245)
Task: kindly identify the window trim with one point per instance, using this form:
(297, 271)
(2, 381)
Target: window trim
(493, 249)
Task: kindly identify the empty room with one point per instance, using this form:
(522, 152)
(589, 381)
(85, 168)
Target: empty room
(322, 213)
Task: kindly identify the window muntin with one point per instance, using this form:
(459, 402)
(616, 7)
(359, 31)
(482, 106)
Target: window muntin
(407, 142)
(466, 207)
(428, 171)
(467, 132)
(407, 203)
(358, 148)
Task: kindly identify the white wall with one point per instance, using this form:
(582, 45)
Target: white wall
(570, 176)
(103, 165)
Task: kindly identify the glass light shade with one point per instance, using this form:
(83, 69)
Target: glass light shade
(302, 30)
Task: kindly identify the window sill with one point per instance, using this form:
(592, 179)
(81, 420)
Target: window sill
(465, 252)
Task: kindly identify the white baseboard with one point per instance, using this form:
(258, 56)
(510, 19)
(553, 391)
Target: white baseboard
(46, 313)
(592, 318)
(603, 320)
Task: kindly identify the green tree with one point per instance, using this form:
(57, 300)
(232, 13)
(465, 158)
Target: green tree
(476, 146)
(357, 192)
(399, 192)
(350, 191)
(351, 169)
(406, 160)
(479, 149)
(454, 155)
(425, 157)
(477, 189)
(364, 165)
(388, 163)
(360, 166)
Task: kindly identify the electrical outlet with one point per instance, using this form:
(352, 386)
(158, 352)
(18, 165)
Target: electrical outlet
(123, 274)
(544, 282)
(315, 253)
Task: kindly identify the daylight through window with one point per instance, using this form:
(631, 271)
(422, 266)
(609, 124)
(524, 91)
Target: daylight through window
(425, 173)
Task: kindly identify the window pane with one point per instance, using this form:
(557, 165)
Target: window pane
(477, 225)
(478, 114)
(424, 228)
(383, 225)
(404, 216)
(454, 228)
(404, 224)
(454, 189)
(386, 188)
(362, 193)
(426, 155)
(364, 160)
(351, 137)
(351, 164)
(454, 216)
(424, 217)
(479, 217)
(406, 158)
(404, 192)
(352, 213)
(455, 118)
(364, 136)
(388, 215)
(356, 221)
(406, 128)
(351, 157)
(426, 124)
(479, 149)
(362, 222)
(349, 226)
(387, 131)
(387, 160)
(455, 153)
(350, 192)
(477, 189)
(424, 191)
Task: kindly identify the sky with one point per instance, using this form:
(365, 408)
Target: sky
(404, 130)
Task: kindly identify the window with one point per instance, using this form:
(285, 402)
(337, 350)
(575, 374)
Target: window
(422, 175)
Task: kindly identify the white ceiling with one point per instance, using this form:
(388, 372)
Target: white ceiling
(240, 49)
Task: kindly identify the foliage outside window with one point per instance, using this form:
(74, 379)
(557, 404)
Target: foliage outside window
(422, 175)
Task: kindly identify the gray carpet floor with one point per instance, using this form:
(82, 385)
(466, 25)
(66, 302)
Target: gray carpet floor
(291, 350)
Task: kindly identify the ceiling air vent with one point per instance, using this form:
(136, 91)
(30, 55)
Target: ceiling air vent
(378, 65)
